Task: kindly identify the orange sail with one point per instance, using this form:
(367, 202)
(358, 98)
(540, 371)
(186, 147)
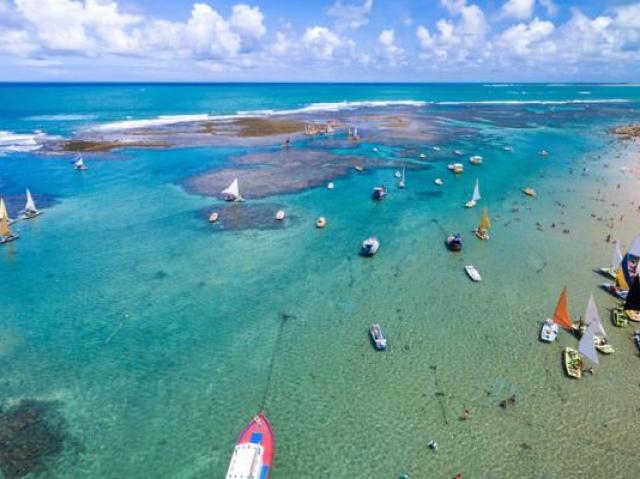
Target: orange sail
(561, 316)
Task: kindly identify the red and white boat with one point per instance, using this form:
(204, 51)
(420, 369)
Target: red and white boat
(253, 454)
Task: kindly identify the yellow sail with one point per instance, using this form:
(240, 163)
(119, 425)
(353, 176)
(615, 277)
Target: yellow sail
(3, 210)
(484, 221)
(4, 226)
(621, 282)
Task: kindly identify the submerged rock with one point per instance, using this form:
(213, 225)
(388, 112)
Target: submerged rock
(32, 434)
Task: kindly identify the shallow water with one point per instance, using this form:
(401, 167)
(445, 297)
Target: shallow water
(155, 331)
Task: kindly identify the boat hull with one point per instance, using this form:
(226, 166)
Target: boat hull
(572, 363)
(253, 455)
(548, 331)
(30, 216)
(8, 239)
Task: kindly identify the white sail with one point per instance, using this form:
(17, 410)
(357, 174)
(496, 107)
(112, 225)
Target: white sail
(476, 191)
(3, 211)
(232, 190)
(79, 162)
(30, 206)
(586, 346)
(634, 249)
(616, 258)
(591, 317)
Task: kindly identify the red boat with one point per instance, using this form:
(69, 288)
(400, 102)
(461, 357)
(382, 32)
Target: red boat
(253, 454)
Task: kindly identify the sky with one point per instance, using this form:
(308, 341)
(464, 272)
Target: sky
(313, 40)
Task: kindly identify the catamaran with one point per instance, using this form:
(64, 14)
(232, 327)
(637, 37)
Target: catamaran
(6, 236)
(401, 183)
(475, 197)
(30, 210)
(561, 317)
(78, 164)
(482, 231)
(253, 455)
(232, 192)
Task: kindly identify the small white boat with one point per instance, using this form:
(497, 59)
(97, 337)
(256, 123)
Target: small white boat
(369, 246)
(79, 164)
(401, 183)
(475, 160)
(213, 217)
(456, 167)
(549, 331)
(544, 153)
(377, 337)
(280, 215)
(397, 174)
(330, 185)
(436, 148)
(375, 149)
(475, 197)
(458, 152)
(438, 181)
(473, 273)
(321, 222)
(423, 156)
(30, 210)
(232, 192)
(508, 148)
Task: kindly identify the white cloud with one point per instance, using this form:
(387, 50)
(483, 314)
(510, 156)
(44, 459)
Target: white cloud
(388, 50)
(424, 37)
(520, 9)
(17, 43)
(521, 38)
(321, 42)
(350, 16)
(552, 8)
(247, 21)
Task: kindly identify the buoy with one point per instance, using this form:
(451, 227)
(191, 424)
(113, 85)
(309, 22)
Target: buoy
(321, 222)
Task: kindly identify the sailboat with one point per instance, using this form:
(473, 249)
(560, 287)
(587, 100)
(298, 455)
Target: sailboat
(616, 261)
(232, 192)
(79, 164)
(30, 210)
(475, 197)
(592, 318)
(482, 231)
(561, 317)
(632, 303)
(6, 236)
(401, 183)
(4, 213)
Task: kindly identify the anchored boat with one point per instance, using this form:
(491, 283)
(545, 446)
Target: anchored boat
(561, 317)
(78, 164)
(379, 193)
(232, 192)
(6, 236)
(573, 364)
(377, 337)
(369, 246)
(473, 273)
(482, 231)
(454, 242)
(616, 261)
(30, 210)
(475, 160)
(475, 197)
(253, 455)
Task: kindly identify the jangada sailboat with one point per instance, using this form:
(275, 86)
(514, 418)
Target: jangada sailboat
(482, 231)
(232, 192)
(561, 317)
(599, 334)
(78, 164)
(616, 261)
(6, 236)
(30, 210)
(4, 213)
(475, 197)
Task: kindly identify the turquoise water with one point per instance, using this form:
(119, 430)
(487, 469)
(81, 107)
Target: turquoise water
(156, 332)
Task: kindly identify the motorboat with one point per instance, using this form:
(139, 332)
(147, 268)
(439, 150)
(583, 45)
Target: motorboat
(321, 222)
(473, 273)
(530, 192)
(213, 217)
(377, 337)
(458, 152)
(369, 246)
(280, 215)
(475, 160)
(549, 331)
(438, 181)
(454, 242)
(330, 185)
(253, 454)
(456, 168)
(379, 193)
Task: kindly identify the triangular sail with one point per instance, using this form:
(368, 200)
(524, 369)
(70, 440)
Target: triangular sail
(476, 191)
(3, 211)
(591, 317)
(232, 189)
(621, 281)
(616, 257)
(4, 227)
(561, 315)
(633, 297)
(586, 346)
(30, 206)
(79, 162)
(485, 224)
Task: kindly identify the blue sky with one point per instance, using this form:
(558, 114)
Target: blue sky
(334, 40)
